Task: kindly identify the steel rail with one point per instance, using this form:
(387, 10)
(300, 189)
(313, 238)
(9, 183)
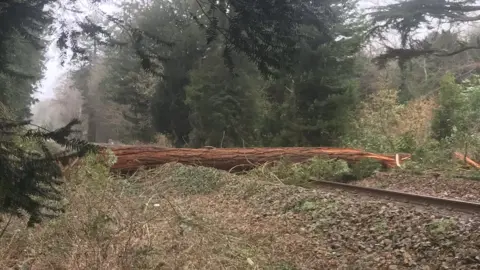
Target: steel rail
(451, 204)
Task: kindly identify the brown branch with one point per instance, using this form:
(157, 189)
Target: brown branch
(394, 53)
(462, 18)
(466, 48)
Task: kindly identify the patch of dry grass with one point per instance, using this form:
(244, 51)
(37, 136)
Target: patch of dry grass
(144, 221)
(106, 226)
(183, 217)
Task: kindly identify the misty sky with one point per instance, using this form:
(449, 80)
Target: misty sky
(53, 70)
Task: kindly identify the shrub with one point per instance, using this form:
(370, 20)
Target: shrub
(456, 118)
(317, 168)
(106, 225)
(195, 180)
(383, 125)
(429, 156)
(364, 168)
(449, 112)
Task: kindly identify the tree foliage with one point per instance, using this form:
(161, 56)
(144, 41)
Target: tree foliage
(406, 17)
(457, 114)
(312, 105)
(31, 177)
(20, 57)
(224, 106)
(126, 84)
(196, 100)
(266, 31)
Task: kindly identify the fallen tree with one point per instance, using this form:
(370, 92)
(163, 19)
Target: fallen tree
(133, 157)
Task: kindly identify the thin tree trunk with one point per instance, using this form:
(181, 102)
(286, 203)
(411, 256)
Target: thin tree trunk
(425, 72)
(92, 117)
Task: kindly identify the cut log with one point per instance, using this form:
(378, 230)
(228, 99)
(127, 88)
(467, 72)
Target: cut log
(468, 160)
(233, 159)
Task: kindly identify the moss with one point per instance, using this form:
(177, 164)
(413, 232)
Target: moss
(196, 180)
(441, 226)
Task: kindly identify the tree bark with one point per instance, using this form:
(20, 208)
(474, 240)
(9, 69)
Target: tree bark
(233, 159)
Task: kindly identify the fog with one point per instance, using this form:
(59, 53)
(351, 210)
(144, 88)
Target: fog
(65, 104)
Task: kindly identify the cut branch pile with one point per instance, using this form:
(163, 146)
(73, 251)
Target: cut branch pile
(130, 158)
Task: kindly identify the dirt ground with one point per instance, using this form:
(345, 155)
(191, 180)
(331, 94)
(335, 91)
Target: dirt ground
(181, 217)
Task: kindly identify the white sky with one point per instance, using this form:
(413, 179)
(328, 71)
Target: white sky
(53, 71)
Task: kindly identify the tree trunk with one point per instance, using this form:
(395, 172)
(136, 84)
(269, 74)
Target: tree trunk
(92, 125)
(233, 159)
(91, 100)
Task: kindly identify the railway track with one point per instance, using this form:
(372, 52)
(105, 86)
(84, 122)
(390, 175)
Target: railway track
(450, 204)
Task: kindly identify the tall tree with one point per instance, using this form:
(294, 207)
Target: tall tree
(18, 83)
(157, 102)
(266, 31)
(126, 84)
(21, 48)
(169, 40)
(224, 105)
(170, 111)
(30, 174)
(311, 105)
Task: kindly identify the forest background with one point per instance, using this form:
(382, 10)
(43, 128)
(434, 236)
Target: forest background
(378, 79)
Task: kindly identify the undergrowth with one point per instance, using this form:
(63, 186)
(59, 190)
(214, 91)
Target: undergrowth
(171, 218)
(195, 180)
(126, 222)
(318, 168)
(103, 227)
(432, 129)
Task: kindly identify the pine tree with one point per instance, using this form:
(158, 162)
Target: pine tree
(311, 106)
(30, 179)
(266, 31)
(125, 83)
(20, 53)
(30, 173)
(224, 106)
